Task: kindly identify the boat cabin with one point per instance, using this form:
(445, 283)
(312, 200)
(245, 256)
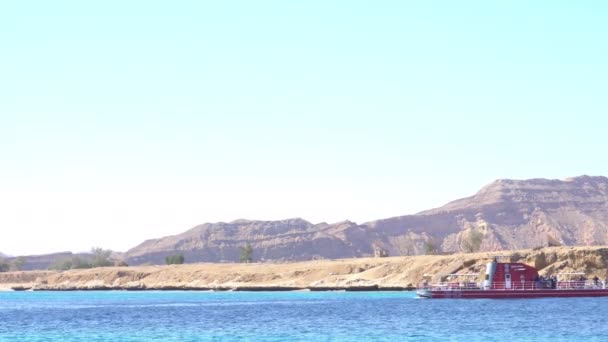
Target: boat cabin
(509, 276)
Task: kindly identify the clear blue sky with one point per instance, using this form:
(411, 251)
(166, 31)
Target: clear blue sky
(127, 120)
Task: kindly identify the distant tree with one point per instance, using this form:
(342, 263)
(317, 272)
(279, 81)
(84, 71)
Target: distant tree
(430, 248)
(472, 242)
(75, 262)
(80, 263)
(61, 264)
(121, 263)
(4, 266)
(515, 257)
(19, 262)
(177, 259)
(101, 257)
(246, 253)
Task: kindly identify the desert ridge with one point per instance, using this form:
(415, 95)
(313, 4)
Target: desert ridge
(506, 214)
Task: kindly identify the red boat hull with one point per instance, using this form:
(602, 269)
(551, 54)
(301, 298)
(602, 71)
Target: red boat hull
(500, 294)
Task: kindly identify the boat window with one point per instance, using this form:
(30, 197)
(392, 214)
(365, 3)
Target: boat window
(487, 277)
(508, 276)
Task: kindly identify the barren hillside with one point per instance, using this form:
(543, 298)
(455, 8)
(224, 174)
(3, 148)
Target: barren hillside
(504, 215)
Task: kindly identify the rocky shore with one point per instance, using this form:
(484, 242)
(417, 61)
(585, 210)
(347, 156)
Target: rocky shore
(361, 274)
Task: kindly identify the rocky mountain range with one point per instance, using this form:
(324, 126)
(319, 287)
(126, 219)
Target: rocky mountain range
(504, 215)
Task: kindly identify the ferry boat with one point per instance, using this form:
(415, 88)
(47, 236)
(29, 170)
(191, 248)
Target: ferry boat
(515, 280)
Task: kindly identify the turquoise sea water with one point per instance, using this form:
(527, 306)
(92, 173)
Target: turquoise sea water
(293, 316)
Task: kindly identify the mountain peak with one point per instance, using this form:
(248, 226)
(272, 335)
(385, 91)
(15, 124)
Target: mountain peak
(533, 191)
(586, 178)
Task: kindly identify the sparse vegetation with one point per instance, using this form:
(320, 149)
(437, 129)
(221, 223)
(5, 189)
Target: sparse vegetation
(99, 258)
(72, 263)
(472, 242)
(177, 259)
(515, 257)
(246, 253)
(4, 266)
(430, 248)
(19, 262)
(80, 263)
(61, 265)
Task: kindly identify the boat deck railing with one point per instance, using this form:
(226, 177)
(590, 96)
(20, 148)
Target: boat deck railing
(517, 285)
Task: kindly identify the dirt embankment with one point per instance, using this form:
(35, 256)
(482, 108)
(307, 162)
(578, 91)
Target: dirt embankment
(350, 274)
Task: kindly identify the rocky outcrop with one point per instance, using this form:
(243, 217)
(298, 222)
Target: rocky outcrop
(512, 214)
(392, 273)
(22, 280)
(504, 215)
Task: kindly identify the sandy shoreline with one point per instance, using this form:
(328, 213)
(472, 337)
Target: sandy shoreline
(364, 274)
